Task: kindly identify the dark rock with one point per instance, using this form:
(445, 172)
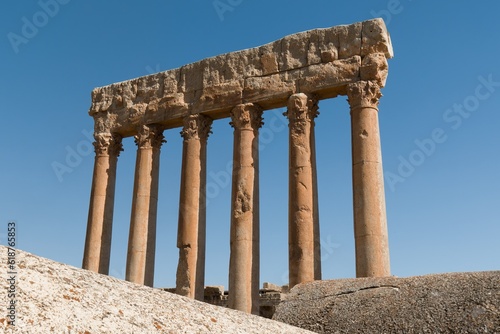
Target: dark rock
(444, 303)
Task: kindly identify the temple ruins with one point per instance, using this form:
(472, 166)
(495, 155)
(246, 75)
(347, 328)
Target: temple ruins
(296, 72)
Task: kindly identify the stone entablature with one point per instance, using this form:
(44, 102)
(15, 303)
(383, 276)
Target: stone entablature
(320, 62)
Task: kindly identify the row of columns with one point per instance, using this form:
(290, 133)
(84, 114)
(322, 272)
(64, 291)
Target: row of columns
(372, 256)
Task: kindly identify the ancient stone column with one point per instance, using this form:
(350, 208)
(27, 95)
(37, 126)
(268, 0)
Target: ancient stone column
(317, 239)
(142, 237)
(192, 208)
(303, 230)
(102, 197)
(370, 222)
(244, 258)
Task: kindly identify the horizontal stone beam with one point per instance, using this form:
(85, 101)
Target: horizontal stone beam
(319, 61)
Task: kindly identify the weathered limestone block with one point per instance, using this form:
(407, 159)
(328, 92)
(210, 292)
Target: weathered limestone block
(444, 303)
(319, 79)
(267, 89)
(375, 39)
(295, 51)
(350, 40)
(374, 67)
(319, 61)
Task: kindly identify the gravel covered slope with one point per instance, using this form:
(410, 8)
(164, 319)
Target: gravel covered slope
(55, 298)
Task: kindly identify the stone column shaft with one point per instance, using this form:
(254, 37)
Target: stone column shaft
(192, 208)
(370, 222)
(100, 220)
(303, 232)
(317, 237)
(244, 258)
(142, 237)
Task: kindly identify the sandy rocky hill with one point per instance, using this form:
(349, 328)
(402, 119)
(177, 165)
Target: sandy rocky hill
(57, 298)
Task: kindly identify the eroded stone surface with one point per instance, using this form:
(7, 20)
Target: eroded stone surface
(57, 298)
(445, 303)
(319, 61)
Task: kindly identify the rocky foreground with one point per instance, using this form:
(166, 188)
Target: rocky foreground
(55, 298)
(444, 303)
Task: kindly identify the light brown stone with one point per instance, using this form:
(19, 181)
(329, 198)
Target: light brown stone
(192, 208)
(303, 233)
(370, 221)
(100, 220)
(142, 238)
(246, 120)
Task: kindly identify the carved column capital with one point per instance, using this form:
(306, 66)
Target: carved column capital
(196, 127)
(301, 109)
(107, 144)
(363, 94)
(149, 136)
(246, 116)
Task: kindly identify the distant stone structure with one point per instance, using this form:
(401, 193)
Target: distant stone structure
(270, 296)
(297, 72)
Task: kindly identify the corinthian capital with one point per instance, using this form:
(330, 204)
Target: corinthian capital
(196, 127)
(107, 144)
(149, 136)
(301, 109)
(363, 94)
(246, 116)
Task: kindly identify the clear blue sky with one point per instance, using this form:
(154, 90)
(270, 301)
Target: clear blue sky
(443, 200)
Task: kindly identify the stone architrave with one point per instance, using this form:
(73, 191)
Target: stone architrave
(246, 120)
(192, 208)
(319, 61)
(97, 251)
(142, 237)
(370, 221)
(303, 237)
